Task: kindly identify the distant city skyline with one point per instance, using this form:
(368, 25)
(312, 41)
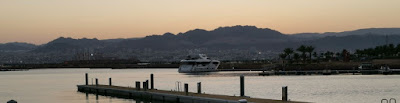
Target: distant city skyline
(41, 21)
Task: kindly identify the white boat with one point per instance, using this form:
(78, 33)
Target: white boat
(200, 63)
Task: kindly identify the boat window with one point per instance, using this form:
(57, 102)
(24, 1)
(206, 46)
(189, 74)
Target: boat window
(203, 63)
(215, 62)
(190, 63)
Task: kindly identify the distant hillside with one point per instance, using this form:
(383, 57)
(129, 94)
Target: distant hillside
(68, 44)
(223, 37)
(16, 46)
(375, 31)
(119, 39)
(352, 42)
(307, 36)
(233, 37)
(223, 43)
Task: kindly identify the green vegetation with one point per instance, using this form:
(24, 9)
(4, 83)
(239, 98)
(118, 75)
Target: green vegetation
(304, 50)
(379, 52)
(344, 59)
(307, 55)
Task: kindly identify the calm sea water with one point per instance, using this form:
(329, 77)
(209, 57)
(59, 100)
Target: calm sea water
(59, 85)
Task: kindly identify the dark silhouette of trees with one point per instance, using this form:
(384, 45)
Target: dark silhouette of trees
(306, 53)
(309, 49)
(345, 55)
(315, 54)
(359, 53)
(288, 52)
(379, 52)
(282, 56)
(303, 50)
(296, 57)
(328, 55)
(337, 55)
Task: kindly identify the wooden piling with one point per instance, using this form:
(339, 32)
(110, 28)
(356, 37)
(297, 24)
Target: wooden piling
(86, 78)
(242, 85)
(199, 87)
(97, 82)
(151, 81)
(144, 85)
(137, 85)
(147, 84)
(284, 93)
(109, 82)
(186, 89)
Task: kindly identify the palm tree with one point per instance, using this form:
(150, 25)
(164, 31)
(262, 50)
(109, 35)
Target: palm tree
(304, 56)
(288, 52)
(391, 50)
(302, 49)
(379, 51)
(369, 52)
(296, 57)
(359, 53)
(316, 56)
(310, 49)
(283, 56)
(321, 54)
(338, 55)
(398, 49)
(328, 55)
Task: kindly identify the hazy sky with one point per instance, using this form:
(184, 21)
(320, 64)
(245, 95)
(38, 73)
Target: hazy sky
(39, 21)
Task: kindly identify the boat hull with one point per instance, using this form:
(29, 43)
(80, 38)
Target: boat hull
(197, 68)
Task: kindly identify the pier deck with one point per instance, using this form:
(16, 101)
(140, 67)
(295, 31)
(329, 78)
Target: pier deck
(169, 96)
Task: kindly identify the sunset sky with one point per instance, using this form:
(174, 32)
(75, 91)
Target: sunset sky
(39, 21)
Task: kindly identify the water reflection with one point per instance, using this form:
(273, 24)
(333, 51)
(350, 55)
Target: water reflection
(87, 97)
(97, 98)
(102, 98)
(328, 89)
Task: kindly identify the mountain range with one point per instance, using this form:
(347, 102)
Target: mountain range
(234, 37)
(222, 38)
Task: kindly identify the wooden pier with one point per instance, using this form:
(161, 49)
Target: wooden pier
(154, 95)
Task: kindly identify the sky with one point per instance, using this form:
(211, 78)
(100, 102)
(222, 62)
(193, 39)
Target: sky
(40, 21)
